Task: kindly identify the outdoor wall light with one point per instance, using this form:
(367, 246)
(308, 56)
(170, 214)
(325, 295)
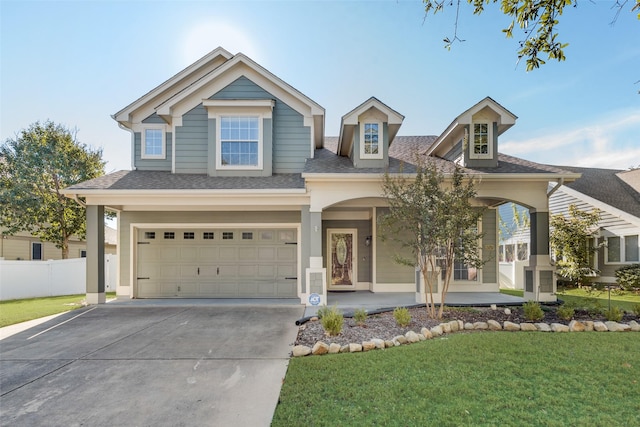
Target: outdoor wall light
(367, 241)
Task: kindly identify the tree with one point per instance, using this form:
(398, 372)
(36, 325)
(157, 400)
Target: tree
(570, 240)
(537, 19)
(35, 167)
(432, 218)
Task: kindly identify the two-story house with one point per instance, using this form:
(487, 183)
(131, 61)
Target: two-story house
(236, 192)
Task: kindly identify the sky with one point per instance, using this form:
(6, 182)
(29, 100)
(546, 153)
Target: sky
(77, 63)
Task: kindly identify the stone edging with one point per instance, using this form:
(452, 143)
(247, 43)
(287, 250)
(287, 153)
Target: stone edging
(410, 337)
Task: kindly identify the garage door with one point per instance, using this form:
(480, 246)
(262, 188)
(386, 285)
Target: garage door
(217, 263)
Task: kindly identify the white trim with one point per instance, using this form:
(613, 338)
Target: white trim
(380, 153)
(143, 134)
(472, 143)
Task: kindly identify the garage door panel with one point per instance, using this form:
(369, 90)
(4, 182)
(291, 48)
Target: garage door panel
(249, 263)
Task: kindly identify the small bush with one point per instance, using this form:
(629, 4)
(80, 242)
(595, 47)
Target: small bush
(614, 315)
(360, 316)
(532, 311)
(629, 276)
(322, 311)
(331, 320)
(402, 316)
(566, 312)
(636, 309)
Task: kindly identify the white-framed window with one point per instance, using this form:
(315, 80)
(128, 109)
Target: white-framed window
(481, 140)
(371, 140)
(36, 251)
(622, 249)
(239, 142)
(153, 143)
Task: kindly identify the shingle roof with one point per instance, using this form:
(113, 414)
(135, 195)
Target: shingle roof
(606, 186)
(154, 180)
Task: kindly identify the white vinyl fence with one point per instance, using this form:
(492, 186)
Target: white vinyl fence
(30, 279)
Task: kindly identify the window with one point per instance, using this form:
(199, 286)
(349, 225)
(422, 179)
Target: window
(83, 253)
(247, 235)
(150, 235)
(623, 249)
(481, 144)
(207, 235)
(189, 235)
(371, 136)
(523, 251)
(36, 250)
(240, 142)
(227, 235)
(169, 235)
(153, 145)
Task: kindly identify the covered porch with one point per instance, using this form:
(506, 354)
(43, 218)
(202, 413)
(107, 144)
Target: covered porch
(370, 301)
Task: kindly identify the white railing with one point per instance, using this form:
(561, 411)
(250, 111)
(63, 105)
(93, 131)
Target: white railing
(30, 279)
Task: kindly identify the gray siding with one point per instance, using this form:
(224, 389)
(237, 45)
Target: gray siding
(455, 152)
(364, 252)
(490, 240)
(127, 218)
(154, 118)
(291, 139)
(152, 164)
(191, 142)
(387, 269)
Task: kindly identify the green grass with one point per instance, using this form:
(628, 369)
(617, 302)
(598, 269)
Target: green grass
(21, 310)
(512, 292)
(471, 379)
(584, 297)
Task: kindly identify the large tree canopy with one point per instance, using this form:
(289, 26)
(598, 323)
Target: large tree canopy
(537, 20)
(34, 167)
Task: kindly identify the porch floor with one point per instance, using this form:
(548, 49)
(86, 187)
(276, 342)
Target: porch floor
(349, 301)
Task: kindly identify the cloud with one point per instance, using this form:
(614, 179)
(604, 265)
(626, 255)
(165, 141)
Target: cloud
(202, 38)
(611, 141)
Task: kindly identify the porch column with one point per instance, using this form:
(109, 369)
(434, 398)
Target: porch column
(316, 274)
(95, 255)
(539, 277)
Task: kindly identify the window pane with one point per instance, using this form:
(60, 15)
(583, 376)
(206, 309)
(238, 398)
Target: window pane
(613, 249)
(153, 142)
(239, 140)
(631, 248)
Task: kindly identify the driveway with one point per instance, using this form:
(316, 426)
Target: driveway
(175, 365)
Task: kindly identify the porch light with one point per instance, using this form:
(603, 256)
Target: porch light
(367, 241)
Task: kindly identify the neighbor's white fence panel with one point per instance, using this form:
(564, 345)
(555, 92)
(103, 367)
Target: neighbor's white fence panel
(512, 274)
(30, 279)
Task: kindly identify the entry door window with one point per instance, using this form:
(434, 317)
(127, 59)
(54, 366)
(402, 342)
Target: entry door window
(36, 251)
(342, 254)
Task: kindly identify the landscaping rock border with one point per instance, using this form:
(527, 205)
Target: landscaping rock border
(453, 326)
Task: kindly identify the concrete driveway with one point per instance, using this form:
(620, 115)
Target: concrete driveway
(175, 365)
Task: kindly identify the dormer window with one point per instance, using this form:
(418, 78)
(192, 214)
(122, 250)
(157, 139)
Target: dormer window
(481, 143)
(240, 142)
(371, 140)
(153, 143)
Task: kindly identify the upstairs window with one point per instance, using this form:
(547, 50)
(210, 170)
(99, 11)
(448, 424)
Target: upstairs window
(240, 142)
(153, 145)
(371, 137)
(481, 146)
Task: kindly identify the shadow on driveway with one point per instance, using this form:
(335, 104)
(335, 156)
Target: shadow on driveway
(149, 366)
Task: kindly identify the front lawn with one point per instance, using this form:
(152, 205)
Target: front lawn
(487, 378)
(587, 297)
(21, 310)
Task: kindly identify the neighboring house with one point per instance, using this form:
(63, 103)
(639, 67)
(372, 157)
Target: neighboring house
(235, 192)
(616, 194)
(24, 246)
(513, 248)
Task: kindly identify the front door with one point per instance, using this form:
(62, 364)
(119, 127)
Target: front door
(342, 258)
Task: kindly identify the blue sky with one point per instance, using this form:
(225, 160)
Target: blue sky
(76, 63)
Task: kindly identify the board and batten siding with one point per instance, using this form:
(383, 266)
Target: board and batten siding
(291, 139)
(191, 142)
(184, 218)
(387, 269)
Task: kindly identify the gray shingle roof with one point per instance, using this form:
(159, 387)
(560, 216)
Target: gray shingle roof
(154, 180)
(606, 186)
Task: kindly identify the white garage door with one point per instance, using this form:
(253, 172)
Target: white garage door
(217, 263)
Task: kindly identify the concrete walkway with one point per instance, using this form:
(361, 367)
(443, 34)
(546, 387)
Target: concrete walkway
(153, 364)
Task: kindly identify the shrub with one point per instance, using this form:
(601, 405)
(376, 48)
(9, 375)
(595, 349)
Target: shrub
(532, 311)
(402, 316)
(331, 320)
(360, 316)
(615, 314)
(565, 312)
(629, 276)
(636, 309)
(322, 311)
